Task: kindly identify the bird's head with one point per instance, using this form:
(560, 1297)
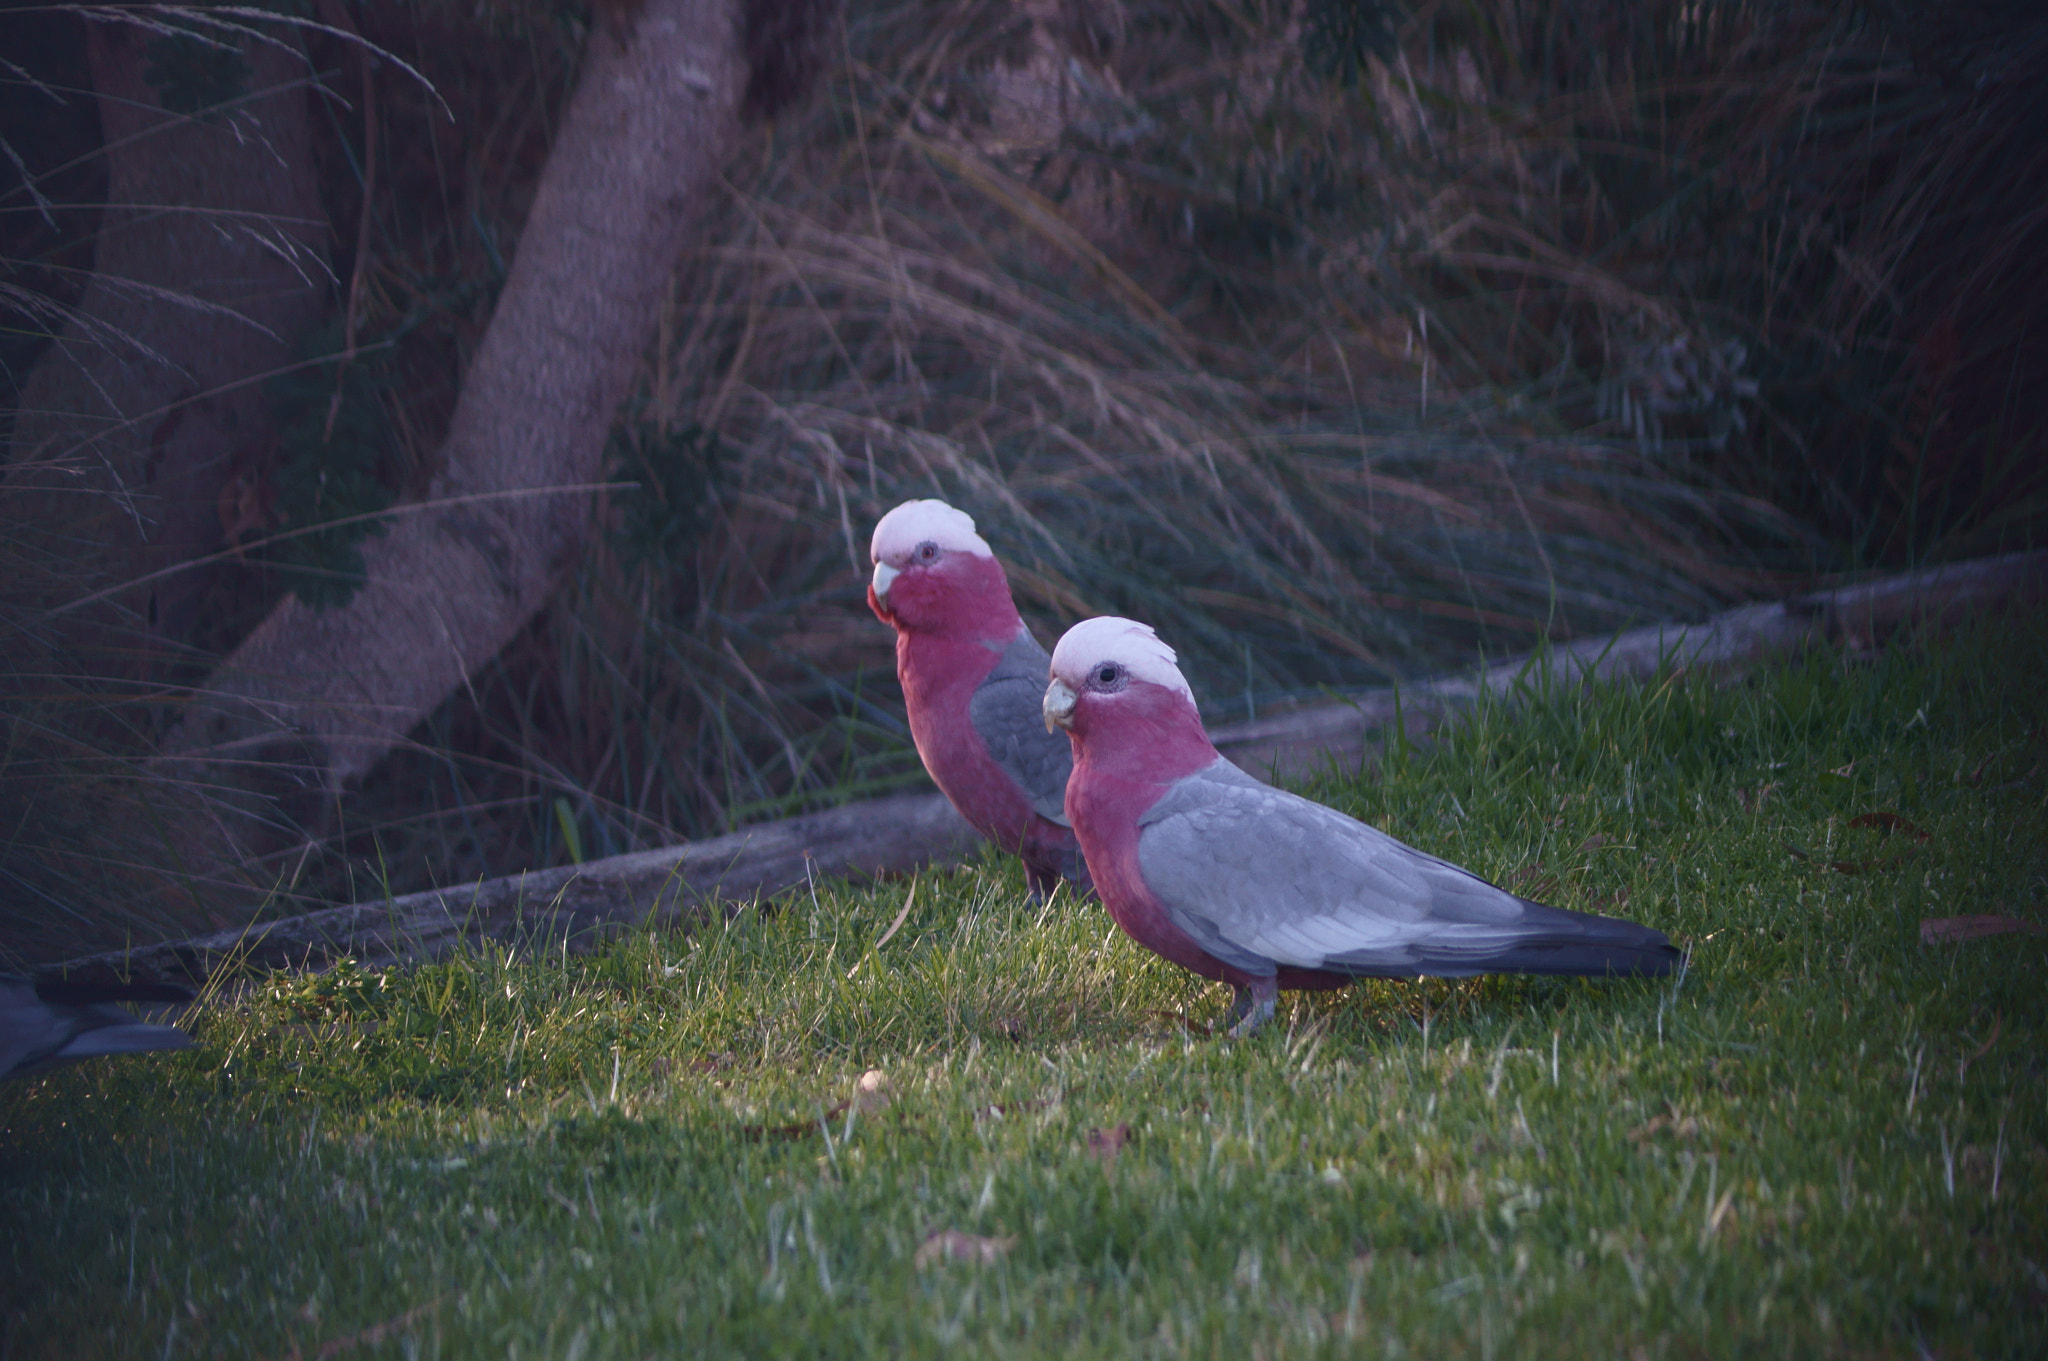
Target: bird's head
(934, 574)
(1112, 674)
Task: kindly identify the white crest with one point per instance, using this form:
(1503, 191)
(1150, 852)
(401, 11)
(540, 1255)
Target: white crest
(1128, 643)
(898, 533)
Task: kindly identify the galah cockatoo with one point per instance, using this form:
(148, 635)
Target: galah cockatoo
(1238, 881)
(48, 1024)
(973, 680)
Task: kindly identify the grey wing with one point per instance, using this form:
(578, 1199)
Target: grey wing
(1008, 711)
(1264, 879)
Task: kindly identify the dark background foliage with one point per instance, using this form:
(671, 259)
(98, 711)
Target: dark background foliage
(1339, 341)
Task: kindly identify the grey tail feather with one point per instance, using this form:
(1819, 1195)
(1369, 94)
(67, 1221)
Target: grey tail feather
(1556, 955)
(1561, 941)
(138, 1038)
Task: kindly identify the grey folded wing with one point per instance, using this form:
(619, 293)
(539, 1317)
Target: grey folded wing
(1263, 879)
(1008, 711)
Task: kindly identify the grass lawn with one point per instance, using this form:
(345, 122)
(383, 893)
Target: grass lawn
(1825, 1139)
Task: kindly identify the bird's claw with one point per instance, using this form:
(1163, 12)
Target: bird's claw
(1040, 883)
(1252, 1007)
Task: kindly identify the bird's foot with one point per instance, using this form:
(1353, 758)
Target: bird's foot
(1041, 883)
(1047, 867)
(1252, 1007)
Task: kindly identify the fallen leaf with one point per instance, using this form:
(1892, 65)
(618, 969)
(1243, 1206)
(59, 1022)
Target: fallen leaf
(1594, 842)
(1885, 822)
(1889, 822)
(1944, 930)
(954, 1246)
(1105, 1144)
(871, 1093)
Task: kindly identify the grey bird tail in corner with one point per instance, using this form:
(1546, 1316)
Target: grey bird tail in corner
(50, 1023)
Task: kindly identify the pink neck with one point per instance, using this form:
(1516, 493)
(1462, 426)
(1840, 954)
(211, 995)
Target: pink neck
(965, 599)
(1144, 737)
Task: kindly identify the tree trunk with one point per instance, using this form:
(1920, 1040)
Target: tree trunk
(655, 111)
(211, 259)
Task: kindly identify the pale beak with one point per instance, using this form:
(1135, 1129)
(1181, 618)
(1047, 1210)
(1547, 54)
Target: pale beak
(1059, 705)
(884, 574)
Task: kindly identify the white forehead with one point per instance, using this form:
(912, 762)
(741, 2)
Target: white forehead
(1127, 642)
(916, 522)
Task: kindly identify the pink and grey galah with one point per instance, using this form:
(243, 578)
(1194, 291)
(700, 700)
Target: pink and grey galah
(1202, 864)
(973, 680)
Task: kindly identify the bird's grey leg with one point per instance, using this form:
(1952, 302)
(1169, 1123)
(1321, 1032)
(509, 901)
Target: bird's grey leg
(1042, 879)
(1253, 1006)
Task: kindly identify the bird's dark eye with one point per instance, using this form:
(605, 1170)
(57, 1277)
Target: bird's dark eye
(1108, 674)
(927, 552)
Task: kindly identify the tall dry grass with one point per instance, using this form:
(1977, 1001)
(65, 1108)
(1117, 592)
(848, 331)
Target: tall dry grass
(1333, 358)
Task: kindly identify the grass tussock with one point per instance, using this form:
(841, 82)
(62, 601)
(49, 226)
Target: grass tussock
(1334, 340)
(1824, 1138)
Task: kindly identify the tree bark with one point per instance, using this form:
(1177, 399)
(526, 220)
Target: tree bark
(211, 259)
(328, 694)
